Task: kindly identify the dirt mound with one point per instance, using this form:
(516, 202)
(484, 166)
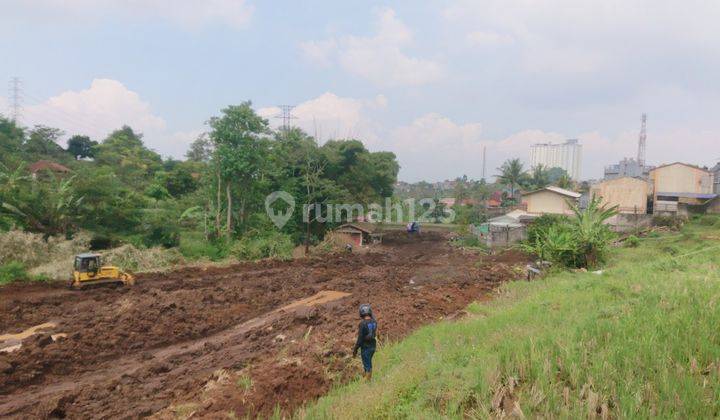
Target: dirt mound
(403, 238)
(239, 339)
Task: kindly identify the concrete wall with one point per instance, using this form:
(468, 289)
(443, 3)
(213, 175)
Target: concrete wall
(681, 178)
(629, 194)
(342, 238)
(502, 236)
(543, 202)
(714, 206)
(626, 222)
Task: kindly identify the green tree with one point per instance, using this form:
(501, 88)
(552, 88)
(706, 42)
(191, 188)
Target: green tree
(81, 147)
(555, 173)
(540, 177)
(124, 151)
(109, 205)
(201, 149)
(565, 182)
(511, 174)
(50, 207)
(241, 153)
(42, 144)
(11, 141)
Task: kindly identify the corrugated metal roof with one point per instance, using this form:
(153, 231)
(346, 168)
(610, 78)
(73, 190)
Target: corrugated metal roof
(558, 190)
(687, 195)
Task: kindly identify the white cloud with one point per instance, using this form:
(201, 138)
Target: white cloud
(379, 58)
(331, 116)
(319, 52)
(489, 38)
(104, 107)
(586, 36)
(186, 13)
(433, 147)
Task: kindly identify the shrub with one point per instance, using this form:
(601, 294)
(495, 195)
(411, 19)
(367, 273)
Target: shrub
(632, 241)
(101, 241)
(32, 250)
(194, 246)
(14, 270)
(542, 223)
(671, 249)
(708, 220)
(158, 228)
(579, 242)
(266, 245)
(667, 221)
(130, 258)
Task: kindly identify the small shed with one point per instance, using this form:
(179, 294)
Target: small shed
(358, 233)
(505, 230)
(550, 200)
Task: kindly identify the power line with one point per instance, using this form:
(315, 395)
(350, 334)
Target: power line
(73, 120)
(61, 118)
(15, 89)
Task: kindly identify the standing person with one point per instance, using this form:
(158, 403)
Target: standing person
(366, 342)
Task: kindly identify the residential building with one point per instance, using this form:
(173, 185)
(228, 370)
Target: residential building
(567, 156)
(716, 178)
(447, 202)
(550, 200)
(46, 166)
(628, 167)
(629, 194)
(677, 187)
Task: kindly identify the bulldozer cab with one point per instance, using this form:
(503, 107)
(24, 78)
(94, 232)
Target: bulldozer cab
(88, 270)
(87, 263)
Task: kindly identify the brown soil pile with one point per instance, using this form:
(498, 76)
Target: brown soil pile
(241, 339)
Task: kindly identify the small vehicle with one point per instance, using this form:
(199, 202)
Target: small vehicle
(413, 227)
(88, 270)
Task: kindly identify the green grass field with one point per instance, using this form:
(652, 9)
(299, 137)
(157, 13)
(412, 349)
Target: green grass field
(640, 340)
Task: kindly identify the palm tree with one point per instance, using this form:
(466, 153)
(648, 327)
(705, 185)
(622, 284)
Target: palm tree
(540, 177)
(565, 182)
(511, 172)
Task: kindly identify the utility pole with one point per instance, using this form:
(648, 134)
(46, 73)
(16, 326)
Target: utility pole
(286, 116)
(15, 90)
(641, 143)
(484, 162)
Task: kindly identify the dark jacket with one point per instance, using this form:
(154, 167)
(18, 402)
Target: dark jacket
(367, 330)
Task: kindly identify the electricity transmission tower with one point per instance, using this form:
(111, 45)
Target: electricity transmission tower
(286, 116)
(641, 142)
(15, 90)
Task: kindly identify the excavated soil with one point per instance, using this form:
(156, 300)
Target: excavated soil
(220, 341)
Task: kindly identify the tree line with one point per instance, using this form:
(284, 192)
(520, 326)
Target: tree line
(123, 191)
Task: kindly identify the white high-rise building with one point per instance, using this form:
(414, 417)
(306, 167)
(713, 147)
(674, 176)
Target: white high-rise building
(566, 156)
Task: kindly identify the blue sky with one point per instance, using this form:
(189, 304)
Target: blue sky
(434, 81)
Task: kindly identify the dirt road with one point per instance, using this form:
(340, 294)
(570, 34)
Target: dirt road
(241, 339)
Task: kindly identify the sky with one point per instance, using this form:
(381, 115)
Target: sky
(434, 82)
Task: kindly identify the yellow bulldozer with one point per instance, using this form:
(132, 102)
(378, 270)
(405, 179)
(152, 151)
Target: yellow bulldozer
(88, 270)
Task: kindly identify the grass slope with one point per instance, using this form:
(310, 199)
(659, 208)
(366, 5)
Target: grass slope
(641, 340)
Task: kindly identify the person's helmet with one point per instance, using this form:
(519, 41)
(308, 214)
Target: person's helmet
(365, 310)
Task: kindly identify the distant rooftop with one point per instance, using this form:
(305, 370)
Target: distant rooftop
(568, 141)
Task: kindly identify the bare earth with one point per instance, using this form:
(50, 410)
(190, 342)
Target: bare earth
(241, 339)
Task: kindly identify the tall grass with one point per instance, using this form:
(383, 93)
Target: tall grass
(641, 340)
